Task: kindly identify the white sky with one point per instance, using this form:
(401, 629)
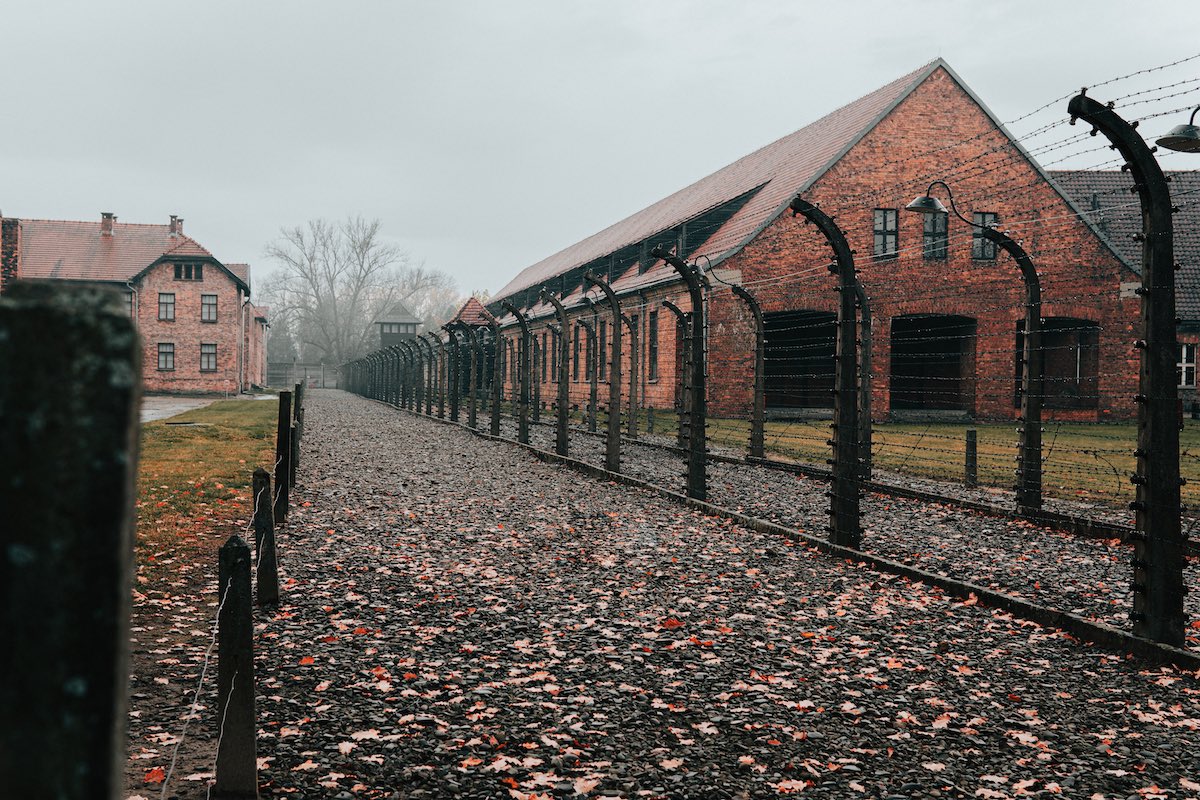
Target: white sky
(488, 135)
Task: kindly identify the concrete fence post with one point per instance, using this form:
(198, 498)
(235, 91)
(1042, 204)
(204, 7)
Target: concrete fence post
(70, 365)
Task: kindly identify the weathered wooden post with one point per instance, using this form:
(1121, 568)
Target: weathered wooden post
(971, 460)
(283, 457)
(266, 562)
(71, 362)
(294, 454)
(237, 765)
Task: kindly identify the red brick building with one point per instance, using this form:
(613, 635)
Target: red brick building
(200, 331)
(947, 307)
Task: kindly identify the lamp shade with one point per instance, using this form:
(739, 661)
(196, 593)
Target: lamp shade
(926, 204)
(1184, 138)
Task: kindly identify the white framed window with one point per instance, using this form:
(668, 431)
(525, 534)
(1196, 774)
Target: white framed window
(1185, 367)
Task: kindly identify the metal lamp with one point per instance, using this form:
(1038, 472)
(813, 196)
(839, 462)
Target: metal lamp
(1183, 138)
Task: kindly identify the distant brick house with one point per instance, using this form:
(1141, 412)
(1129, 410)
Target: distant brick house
(947, 308)
(200, 331)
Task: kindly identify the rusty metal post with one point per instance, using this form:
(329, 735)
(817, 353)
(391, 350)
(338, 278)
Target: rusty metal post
(845, 526)
(455, 387)
(683, 402)
(758, 411)
(266, 564)
(522, 372)
(561, 434)
(865, 424)
(697, 447)
(631, 425)
(1158, 558)
(497, 377)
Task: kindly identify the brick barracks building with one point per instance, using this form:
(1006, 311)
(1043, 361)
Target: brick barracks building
(947, 308)
(200, 332)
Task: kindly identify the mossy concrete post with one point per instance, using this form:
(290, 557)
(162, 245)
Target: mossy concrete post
(266, 561)
(70, 361)
(283, 457)
(237, 767)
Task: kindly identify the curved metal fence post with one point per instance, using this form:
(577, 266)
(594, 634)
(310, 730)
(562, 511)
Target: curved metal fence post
(1158, 557)
(561, 435)
(430, 369)
(683, 400)
(592, 372)
(497, 377)
(455, 382)
(631, 425)
(697, 477)
(865, 422)
(473, 382)
(612, 450)
(845, 527)
(522, 372)
(759, 408)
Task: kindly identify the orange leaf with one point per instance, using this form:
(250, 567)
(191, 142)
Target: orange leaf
(304, 662)
(155, 775)
(670, 623)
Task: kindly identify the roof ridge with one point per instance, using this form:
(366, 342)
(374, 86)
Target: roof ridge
(94, 222)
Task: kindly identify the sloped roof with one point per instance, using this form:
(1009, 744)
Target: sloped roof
(473, 313)
(398, 313)
(69, 250)
(1105, 197)
(241, 270)
(781, 169)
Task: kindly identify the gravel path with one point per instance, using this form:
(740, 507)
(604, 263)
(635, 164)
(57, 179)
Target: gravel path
(462, 620)
(1087, 577)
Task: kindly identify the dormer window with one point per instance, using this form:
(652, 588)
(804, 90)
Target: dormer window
(189, 272)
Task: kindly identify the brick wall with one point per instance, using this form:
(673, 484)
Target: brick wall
(934, 131)
(187, 332)
(254, 366)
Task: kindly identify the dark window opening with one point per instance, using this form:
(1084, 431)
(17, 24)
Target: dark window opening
(933, 362)
(800, 346)
(1070, 363)
(652, 346)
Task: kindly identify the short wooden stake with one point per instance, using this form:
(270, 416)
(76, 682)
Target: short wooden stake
(283, 457)
(972, 462)
(237, 765)
(266, 564)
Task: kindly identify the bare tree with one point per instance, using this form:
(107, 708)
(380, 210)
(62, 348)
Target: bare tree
(335, 280)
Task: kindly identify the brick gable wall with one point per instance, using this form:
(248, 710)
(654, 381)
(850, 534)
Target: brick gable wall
(10, 251)
(187, 332)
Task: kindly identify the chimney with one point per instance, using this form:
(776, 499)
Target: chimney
(176, 226)
(107, 218)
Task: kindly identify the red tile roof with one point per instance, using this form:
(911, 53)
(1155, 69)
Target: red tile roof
(66, 250)
(782, 169)
(473, 313)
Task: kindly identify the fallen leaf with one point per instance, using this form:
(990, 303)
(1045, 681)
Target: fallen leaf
(156, 775)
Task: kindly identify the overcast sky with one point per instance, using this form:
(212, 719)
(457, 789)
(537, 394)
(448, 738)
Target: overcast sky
(488, 135)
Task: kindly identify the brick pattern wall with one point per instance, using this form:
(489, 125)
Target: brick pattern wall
(1080, 276)
(187, 332)
(254, 367)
